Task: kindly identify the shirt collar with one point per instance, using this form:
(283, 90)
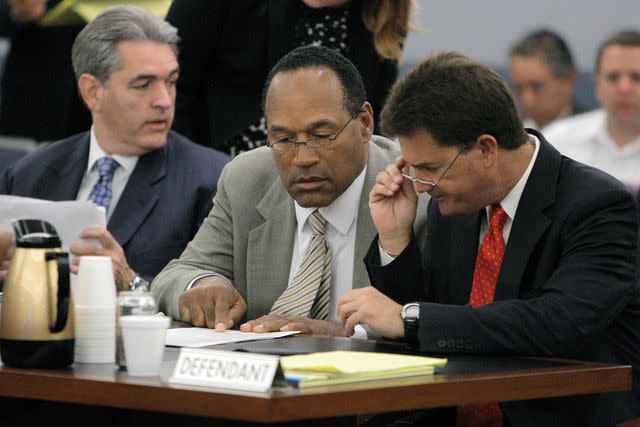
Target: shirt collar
(512, 199)
(602, 137)
(128, 163)
(342, 212)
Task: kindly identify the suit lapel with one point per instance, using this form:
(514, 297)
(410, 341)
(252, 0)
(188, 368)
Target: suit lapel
(139, 196)
(269, 250)
(66, 178)
(530, 222)
(465, 232)
(365, 230)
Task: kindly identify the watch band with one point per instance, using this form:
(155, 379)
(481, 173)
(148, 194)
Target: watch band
(411, 331)
(411, 323)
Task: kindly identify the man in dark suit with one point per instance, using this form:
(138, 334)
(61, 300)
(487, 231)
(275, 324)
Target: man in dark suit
(527, 252)
(155, 185)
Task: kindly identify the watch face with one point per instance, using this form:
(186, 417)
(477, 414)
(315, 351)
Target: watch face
(412, 310)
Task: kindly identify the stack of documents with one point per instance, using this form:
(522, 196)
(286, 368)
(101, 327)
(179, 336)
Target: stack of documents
(339, 367)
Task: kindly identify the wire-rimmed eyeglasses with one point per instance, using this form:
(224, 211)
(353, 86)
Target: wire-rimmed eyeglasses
(316, 141)
(433, 183)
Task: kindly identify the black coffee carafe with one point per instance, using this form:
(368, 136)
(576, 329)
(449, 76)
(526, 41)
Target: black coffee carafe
(36, 328)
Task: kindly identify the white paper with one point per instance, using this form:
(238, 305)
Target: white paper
(203, 337)
(69, 218)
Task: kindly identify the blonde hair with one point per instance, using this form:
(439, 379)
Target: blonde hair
(388, 20)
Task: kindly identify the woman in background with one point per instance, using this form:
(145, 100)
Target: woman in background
(228, 48)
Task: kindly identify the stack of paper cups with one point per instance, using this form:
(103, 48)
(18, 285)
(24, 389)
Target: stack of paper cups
(95, 311)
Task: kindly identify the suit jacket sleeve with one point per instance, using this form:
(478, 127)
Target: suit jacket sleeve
(210, 251)
(408, 265)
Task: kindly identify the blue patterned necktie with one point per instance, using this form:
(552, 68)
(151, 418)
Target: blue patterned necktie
(101, 192)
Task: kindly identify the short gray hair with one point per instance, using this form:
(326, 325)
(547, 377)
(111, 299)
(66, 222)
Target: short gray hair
(94, 50)
(549, 47)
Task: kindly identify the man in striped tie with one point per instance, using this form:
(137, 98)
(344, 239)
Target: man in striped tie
(290, 224)
(527, 252)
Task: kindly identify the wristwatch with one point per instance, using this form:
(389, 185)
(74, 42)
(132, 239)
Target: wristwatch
(139, 284)
(410, 317)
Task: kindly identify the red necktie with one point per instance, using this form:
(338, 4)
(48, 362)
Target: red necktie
(485, 276)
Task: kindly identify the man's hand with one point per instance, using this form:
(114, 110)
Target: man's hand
(213, 302)
(284, 322)
(28, 10)
(122, 273)
(393, 202)
(371, 307)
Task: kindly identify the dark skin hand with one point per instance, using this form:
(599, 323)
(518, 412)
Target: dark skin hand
(283, 322)
(212, 302)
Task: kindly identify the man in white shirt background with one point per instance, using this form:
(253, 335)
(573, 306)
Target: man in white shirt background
(609, 138)
(543, 77)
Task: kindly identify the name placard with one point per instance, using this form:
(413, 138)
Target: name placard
(225, 369)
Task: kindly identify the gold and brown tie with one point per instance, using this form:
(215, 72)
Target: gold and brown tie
(309, 291)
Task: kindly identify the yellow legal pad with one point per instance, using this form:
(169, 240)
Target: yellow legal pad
(71, 12)
(339, 367)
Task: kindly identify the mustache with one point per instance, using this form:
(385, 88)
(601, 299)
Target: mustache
(302, 175)
(307, 178)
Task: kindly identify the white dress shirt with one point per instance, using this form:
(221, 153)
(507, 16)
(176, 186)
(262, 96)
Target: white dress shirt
(120, 176)
(340, 234)
(511, 200)
(585, 138)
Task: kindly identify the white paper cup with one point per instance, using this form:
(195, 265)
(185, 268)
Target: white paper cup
(96, 285)
(144, 339)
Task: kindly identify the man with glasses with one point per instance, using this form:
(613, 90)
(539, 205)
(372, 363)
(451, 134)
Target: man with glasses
(544, 78)
(527, 252)
(291, 223)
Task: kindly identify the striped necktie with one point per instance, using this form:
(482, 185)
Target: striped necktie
(309, 291)
(101, 192)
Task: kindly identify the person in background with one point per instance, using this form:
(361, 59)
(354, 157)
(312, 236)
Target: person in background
(544, 78)
(290, 223)
(527, 252)
(228, 48)
(38, 94)
(609, 138)
(155, 185)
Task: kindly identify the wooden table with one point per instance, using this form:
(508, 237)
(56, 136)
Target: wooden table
(465, 379)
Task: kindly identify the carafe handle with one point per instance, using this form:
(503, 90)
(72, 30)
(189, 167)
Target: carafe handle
(63, 297)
